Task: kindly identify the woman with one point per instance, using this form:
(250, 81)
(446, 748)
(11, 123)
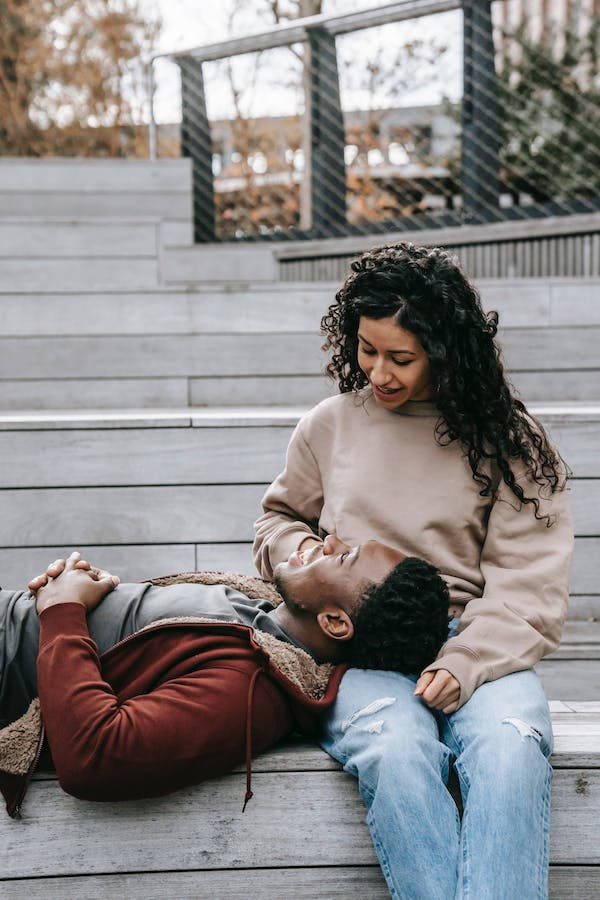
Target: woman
(427, 449)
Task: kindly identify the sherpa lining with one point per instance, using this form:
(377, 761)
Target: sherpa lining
(254, 588)
(293, 662)
(19, 741)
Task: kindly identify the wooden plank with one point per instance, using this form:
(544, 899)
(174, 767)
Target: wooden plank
(155, 515)
(519, 302)
(315, 883)
(226, 558)
(268, 309)
(130, 563)
(52, 239)
(570, 680)
(575, 304)
(177, 234)
(164, 205)
(462, 235)
(73, 837)
(585, 572)
(87, 176)
(205, 827)
(565, 385)
(173, 514)
(541, 349)
(219, 263)
(158, 356)
(585, 502)
(226, 354)
(297, 389)
(133, 456)
(80, 272)
(91, 393)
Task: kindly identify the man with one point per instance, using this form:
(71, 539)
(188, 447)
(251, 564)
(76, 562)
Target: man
(134, 706)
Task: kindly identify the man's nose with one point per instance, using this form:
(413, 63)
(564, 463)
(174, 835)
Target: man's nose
(332, 544)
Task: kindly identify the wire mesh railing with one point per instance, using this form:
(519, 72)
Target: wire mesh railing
(417, 114)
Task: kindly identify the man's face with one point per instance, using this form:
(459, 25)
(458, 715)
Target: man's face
(336, 573)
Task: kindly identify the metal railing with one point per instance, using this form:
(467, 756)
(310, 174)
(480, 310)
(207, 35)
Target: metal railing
(496, 162)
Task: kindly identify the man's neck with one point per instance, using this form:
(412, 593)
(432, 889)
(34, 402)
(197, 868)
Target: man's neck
(305, 631)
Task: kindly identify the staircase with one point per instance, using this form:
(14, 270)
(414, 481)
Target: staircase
(148, 389)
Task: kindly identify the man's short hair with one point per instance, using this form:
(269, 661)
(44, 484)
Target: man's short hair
(401, 623)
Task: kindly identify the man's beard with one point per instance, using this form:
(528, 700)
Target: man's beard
(279, 583)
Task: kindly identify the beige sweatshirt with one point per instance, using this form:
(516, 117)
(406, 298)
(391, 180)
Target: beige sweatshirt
(363, 472)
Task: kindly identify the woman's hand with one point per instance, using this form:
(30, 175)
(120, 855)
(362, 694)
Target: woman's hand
(72, 581)
(440, 690)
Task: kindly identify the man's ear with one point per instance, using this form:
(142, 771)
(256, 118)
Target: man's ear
(335, 623)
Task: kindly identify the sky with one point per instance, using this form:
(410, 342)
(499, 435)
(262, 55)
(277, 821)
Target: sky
(272, 87)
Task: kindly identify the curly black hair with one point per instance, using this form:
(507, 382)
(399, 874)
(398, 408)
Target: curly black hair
(427, 293)
(400, 623)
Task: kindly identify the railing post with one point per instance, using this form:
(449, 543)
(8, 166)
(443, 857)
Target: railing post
(196, 144)
(326, 167)
(481, 123)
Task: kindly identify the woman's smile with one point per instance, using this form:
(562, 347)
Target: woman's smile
(394, 361)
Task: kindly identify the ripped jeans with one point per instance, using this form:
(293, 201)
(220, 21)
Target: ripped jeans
(402, 753)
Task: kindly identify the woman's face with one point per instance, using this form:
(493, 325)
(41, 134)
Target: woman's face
(394, 362)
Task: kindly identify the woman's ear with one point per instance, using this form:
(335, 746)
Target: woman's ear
(335, 623)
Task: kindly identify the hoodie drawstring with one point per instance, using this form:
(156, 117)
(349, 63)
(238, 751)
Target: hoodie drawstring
(251, 687)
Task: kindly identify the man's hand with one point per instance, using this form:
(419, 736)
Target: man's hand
(72, 581)
(440, 690)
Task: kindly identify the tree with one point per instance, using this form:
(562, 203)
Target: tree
(551, 106)
(71, 76)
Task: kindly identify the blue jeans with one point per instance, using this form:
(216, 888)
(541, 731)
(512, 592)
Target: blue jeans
(402, 754)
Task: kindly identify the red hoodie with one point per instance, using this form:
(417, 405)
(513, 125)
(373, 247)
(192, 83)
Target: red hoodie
(173, 705)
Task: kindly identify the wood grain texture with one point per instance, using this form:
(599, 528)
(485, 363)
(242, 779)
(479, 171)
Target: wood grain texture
(130, 562)
(525, 350)
(127, 455)
(173, 514)
(202, 310)
(145, 515)
(142, 456)
(318, 883)
(206, 828)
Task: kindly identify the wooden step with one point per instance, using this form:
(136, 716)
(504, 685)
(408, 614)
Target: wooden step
(88, 239)
(96, 187)
(106, 483)
(197, 844)
(267, 333)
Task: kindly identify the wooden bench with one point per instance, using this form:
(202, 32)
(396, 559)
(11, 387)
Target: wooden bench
(303, 834)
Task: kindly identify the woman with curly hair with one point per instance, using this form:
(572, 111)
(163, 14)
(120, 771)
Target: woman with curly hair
(427, 449)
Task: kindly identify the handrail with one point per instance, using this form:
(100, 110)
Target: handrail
(295, 32)
(283, 35)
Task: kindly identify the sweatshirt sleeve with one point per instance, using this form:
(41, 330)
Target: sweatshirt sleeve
(519, 617)
(179, 733)
(292, 506)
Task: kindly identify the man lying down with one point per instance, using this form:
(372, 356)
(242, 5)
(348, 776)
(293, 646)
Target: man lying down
(145, 688)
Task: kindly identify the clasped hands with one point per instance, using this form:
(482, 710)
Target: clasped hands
(439, 689)
(71, 580)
